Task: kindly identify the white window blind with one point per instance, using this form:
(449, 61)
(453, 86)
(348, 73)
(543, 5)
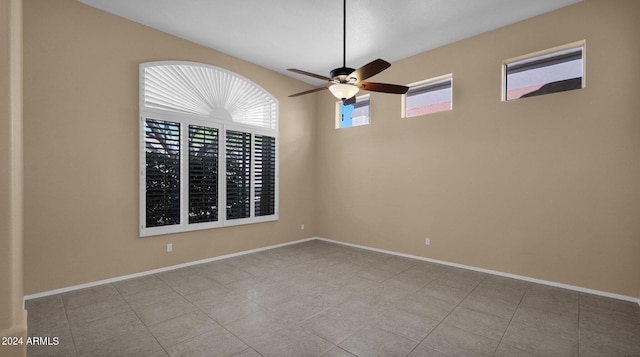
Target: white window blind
(203, 174)
(265, 175)
(209, 92)
(209, 149)
(162, 164)
(238, 174)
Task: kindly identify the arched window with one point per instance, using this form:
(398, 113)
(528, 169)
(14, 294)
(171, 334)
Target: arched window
(208, 149)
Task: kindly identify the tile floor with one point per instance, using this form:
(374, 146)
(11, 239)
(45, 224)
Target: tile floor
(322, 299)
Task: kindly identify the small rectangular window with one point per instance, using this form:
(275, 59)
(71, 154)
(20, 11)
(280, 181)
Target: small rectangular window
(556, 70)
(426, 97)
(353, 114)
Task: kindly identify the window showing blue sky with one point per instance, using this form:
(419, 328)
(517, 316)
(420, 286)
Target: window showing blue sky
(354, 114)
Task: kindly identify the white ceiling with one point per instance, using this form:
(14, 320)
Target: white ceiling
(307, 34)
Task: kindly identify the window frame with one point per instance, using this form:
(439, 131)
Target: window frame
(339, 112)
(582, 45)
(434, 80)
(222, 124)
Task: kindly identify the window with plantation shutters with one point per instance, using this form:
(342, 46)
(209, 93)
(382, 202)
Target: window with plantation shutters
(162, 164)
(265, 175)
(238, 174)
(203, 174)
(209, 149)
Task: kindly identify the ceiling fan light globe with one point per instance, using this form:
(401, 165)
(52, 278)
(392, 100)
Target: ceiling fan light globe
(343, 91)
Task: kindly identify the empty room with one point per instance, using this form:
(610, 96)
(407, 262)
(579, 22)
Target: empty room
(319, 178)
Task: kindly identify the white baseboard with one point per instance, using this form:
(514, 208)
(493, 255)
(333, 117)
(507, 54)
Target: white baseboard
(493, 272)
(155, 271)
(208, 260)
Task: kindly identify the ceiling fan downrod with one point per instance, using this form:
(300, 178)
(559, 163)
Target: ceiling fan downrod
(344, 82)
(344, 33)
(341, 75)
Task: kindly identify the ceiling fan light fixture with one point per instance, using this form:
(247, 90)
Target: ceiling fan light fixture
(345, 82)
(343, 91)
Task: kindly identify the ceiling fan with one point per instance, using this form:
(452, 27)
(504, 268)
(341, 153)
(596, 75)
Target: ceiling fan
(344, 82)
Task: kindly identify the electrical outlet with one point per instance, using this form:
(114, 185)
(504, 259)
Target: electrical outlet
(302, 227)
(427, 241)
(169, 248)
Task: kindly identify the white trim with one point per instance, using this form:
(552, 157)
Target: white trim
(493, 272)
(208, 260)
(159, 270)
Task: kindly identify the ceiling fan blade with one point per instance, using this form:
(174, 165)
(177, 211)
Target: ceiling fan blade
(308, 74)
(383, 87)
(309, 91)
(370, 69)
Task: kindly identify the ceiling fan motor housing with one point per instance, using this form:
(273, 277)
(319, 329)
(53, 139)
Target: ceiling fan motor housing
(342, 74)
(345, 82)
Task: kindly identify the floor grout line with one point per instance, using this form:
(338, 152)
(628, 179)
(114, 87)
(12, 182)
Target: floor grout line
(303, 265)
(512, 316)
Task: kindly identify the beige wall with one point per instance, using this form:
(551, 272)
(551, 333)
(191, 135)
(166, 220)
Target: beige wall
(546, 187)
(81, 150)
(13, 318)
